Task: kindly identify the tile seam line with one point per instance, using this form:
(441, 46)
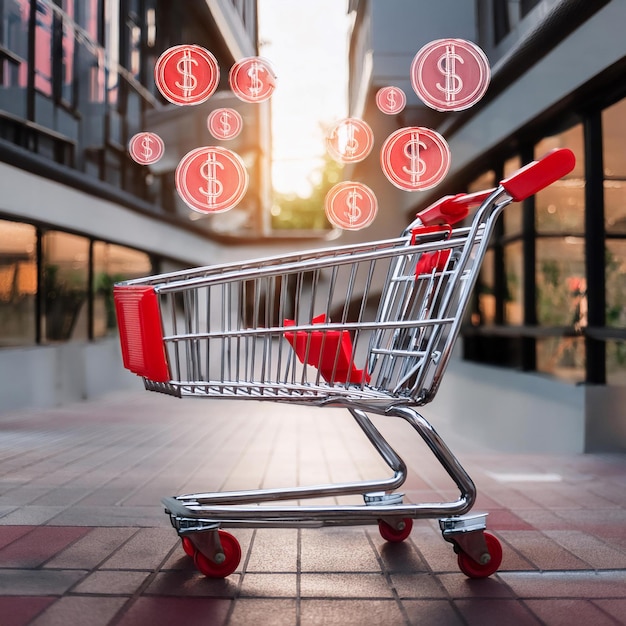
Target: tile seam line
(387, 576)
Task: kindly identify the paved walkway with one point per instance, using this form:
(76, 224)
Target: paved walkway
(84, 540)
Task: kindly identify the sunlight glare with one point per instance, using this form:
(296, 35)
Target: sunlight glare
(306, 42)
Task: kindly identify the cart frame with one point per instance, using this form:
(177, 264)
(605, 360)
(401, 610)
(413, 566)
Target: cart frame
(190, 334)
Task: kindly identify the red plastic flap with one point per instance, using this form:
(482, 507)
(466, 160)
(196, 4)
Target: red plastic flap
(539, 174)
(429, 261)
(141, 336)
(330, 351)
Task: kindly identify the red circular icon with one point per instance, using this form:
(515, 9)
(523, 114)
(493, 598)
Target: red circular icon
(224, 123)
(350, 140)
(351, 206)
(415, 158)
(146, 148)
(252, 79)
(450, 74)
(211, 179)
(390, 100)
(186, 74)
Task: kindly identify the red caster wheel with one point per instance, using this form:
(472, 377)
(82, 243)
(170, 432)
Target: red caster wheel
(232, 556)
(472, 569)
(389, 533)
(188, 546)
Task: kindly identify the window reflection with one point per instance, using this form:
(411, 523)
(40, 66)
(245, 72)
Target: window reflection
(113, 264)
(562, 357)
(514, 276)
(486, 284)
(614, 157)
(562, 301)
(560, 207)
(18, 283)
(43, 48)
(486, 291)
(13, 65)
(560, 280)
(64, 286)
(615, 269)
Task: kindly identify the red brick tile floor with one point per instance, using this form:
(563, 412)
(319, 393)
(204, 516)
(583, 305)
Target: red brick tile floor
(84, 540)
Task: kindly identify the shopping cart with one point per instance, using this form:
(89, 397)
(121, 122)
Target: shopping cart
(367, 327)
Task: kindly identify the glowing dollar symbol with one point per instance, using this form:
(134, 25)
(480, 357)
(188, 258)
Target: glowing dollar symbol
(147, 150)
(447, 66)
(226, 127)
(214, 187)
(256, 84)
(412, 151)
(347, 143)
(391, 99)
(189, 80)
(354, 212)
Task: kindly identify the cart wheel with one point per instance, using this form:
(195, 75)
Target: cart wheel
(232, 554)
(472, 569)
(389, 533)
(188, 546)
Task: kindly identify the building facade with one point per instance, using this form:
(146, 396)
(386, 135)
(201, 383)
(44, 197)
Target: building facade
(76, 212)
(542, 362)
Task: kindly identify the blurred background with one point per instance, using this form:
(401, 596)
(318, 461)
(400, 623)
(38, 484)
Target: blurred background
(543, 345)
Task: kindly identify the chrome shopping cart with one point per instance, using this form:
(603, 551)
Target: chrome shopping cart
(367, 327)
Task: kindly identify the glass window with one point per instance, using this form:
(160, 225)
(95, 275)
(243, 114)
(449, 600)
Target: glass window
(614, 156)
(18, 283)
(616, 363)
(43, 48)
(64, 290)
(616, 283)
(563, 357)
(67, 53)
(112, 264)
(486, 291)
(513, 218)
(13, 66)
(484, 181)
(561, 283)
(501, 20)
(514, 275)
(560, 207)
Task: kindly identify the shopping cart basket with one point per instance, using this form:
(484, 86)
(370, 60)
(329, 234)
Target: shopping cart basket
(367, 327)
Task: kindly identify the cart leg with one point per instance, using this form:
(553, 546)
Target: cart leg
(392, 528)
(479, 553)
(443, 454)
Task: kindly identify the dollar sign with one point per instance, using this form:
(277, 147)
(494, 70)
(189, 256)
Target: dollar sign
(354, 212)
(412, 151)
(189, 80)
(391, 99)
(348, 145)
(147, 150)
(208, 171)
(226, 127)
(256, 84)
(447, 66)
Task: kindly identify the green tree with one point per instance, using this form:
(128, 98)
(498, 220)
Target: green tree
(292, 212)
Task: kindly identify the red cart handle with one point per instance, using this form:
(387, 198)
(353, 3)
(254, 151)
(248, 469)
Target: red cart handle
(539, 174)
(524, 183)
(451, 209)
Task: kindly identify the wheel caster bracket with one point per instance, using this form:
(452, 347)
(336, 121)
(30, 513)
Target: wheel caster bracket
(466, 533)
(208, 542)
